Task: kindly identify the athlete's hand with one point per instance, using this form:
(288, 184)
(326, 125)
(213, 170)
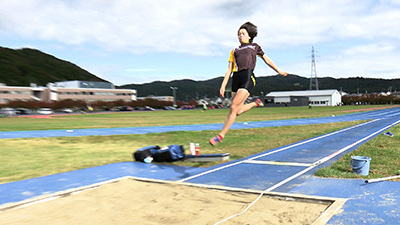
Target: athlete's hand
(222, 91)
(283, 73)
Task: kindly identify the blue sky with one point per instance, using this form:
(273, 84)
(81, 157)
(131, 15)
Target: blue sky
(136, 41)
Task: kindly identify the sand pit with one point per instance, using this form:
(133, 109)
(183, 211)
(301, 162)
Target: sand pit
(131, 201)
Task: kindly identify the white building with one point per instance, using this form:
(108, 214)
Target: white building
(316, 97)
(83, 84)
(88, 91)
(159, 98)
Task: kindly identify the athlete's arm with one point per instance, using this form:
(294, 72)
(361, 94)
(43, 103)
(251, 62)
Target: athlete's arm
(271, 64)
(226, 79)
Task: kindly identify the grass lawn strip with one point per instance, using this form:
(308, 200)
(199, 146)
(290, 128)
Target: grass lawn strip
(162, 118)
(34, 157)
(384, 153)
(28, 158)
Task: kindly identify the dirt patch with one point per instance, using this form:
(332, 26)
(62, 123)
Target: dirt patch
(137, 202)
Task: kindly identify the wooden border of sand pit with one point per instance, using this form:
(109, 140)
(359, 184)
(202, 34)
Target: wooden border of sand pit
(335, 204)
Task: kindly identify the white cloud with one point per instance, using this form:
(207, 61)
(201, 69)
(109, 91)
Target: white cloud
(197, 27)
(208, 28)
(136, 26)
(374, 60)
(375, 49)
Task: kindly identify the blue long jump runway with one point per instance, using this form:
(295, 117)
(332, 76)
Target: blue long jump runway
(303, 158)
(290, 169)
(197, 127)
(284, 169)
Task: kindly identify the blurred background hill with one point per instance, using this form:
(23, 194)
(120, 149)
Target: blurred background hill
(21, 67)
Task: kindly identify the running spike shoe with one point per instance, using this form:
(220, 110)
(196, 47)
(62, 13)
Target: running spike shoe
(259, 103)
(215, 140)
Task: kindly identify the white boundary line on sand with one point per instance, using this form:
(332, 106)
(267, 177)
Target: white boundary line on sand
(334, 207)
(315, 164)
(49, 197)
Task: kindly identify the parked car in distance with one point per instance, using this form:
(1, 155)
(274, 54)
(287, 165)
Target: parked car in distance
(44, 111)
(7, 112)
(187, 107)
(67, 110)
(124, 108)
(169, 108)
(148, 108)
(23, 111)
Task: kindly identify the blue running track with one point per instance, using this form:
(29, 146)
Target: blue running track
(287, 169)
(196, 127)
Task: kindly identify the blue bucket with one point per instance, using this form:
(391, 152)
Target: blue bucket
(360, 164)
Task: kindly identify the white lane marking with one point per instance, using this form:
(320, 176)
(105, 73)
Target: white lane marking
(306, 170)
(325, 159)
(277, 163)
(278, 150)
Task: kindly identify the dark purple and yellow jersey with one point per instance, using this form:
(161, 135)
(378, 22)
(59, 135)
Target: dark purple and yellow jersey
(244, 56)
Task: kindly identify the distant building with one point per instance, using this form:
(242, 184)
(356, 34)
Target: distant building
(159, 98)
(88, 91)
(303, 98)
(396, 94)
(11, 93)
(83, 84)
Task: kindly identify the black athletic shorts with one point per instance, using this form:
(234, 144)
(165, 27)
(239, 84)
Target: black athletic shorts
(243, 79)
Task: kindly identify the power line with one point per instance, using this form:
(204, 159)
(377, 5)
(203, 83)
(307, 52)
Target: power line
(313, 78)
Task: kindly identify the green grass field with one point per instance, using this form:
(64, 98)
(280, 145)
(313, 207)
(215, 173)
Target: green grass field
(139, 119)
(28, 158)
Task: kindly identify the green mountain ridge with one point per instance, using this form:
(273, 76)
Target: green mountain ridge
(188, 89)
(21, 67)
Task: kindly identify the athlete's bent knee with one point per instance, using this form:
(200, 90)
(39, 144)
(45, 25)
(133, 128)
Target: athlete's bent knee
(239, 112)
(235, 109)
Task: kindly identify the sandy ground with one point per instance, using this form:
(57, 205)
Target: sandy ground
(131, 201)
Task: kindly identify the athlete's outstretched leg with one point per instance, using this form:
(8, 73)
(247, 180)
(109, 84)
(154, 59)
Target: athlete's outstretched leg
(238, 99)
(236, 107)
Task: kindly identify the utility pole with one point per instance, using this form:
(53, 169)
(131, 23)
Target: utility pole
(313, 78)
(174, 95)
